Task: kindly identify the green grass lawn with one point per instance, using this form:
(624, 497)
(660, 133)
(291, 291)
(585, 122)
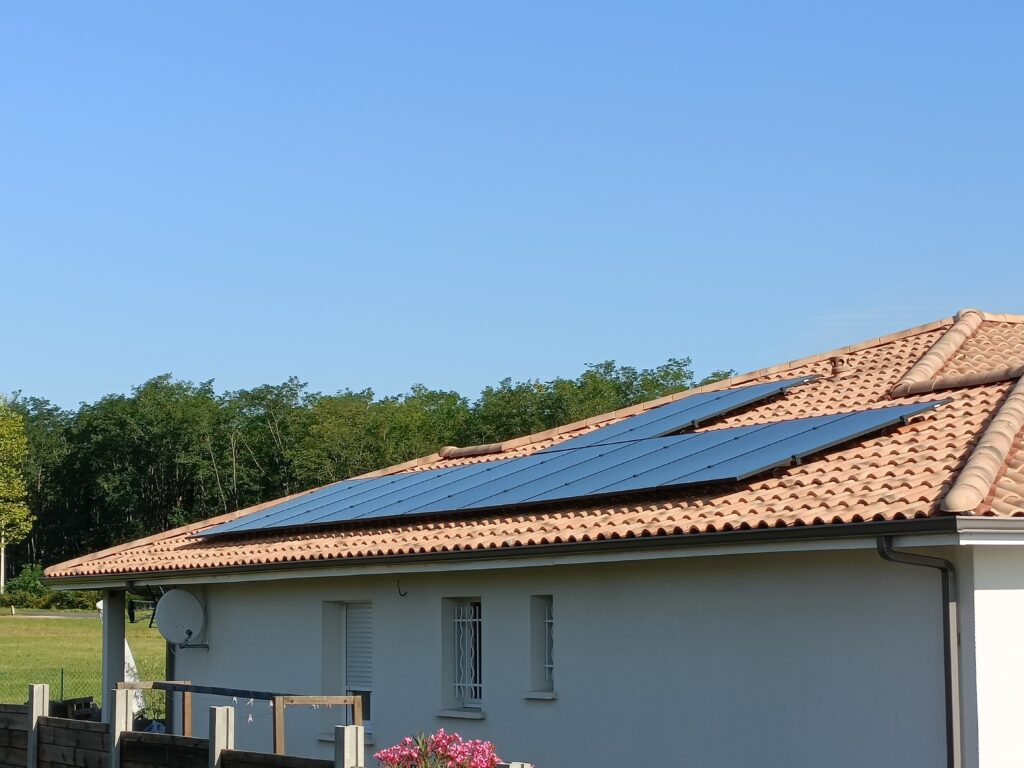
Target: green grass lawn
(36, 649)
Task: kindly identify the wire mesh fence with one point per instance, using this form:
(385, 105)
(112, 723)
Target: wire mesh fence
(65, 683)
(69, 683)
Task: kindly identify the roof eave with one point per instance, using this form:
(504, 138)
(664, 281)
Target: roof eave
(790, 534)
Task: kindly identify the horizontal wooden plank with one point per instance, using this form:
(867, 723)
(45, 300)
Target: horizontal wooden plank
(232, 758)
(13, 709)
(69, 737)
(15, 720)
(90, 758)
(74, 759)
(55, 753)
(340, 700)
(9, 738)
(75, 725)
(166, 739)
(163, 752)
(12, 756)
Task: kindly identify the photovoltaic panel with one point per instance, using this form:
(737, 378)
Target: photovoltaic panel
(680, 414)
(590, 471)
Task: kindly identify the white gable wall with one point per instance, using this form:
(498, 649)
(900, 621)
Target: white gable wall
(798, 659)
(993, 641)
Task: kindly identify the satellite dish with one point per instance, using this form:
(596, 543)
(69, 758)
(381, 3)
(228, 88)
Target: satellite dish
(179, 617)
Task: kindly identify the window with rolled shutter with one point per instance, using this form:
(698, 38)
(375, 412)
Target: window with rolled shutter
(359, 652)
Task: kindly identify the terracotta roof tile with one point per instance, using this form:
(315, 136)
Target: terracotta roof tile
(904, 474)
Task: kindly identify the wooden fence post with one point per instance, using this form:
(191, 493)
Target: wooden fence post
(186, 713)
(349, 746)
(278, 704)
(38, 706)
(222, 733)
(120, 721)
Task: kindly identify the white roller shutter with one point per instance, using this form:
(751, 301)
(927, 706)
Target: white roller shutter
(359, 646)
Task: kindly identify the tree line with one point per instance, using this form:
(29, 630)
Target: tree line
(173, 452)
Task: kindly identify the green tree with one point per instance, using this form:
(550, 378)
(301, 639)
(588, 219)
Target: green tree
(15, 517)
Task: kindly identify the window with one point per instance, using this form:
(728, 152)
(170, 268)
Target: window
(542, 643)
(359, 654)
(465, 631)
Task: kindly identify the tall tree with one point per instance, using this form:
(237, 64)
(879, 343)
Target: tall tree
(15, 518)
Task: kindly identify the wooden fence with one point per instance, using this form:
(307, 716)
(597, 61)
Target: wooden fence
(13, 724)
(31, 739)
(63, 743)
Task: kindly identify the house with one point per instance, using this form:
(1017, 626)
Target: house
(855, 600)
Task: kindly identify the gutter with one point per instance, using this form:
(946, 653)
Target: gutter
(950, 631)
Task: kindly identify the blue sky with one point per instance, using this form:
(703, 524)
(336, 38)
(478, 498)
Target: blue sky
(376, 194)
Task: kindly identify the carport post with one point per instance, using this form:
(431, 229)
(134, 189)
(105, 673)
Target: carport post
(113, 646)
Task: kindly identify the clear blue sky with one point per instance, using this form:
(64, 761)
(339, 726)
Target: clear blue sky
(376, 194)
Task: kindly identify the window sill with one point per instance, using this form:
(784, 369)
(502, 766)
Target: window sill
(463, 714)
(328, 738)
(540, 695)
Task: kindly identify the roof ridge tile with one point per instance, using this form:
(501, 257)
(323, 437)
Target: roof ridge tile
(989, 456)
(967, 323)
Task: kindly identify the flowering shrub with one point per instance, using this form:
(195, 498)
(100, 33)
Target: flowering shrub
(439, 750)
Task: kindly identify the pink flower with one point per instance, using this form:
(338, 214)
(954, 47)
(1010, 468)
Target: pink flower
(439, 750)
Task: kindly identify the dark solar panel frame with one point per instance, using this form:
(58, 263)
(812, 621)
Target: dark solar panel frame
(593, 471)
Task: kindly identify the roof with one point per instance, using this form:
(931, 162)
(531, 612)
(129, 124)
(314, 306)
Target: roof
(963, 458)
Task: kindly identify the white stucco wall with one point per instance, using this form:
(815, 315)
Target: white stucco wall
(993, 639)
(795, 660)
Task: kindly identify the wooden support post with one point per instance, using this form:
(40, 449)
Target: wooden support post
(278, 704)
(222, 733)
(349, 746)
(186, 713)
(120, 707)
(38, 706)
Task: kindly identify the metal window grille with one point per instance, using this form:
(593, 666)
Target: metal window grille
(549, 643)
(468, 644)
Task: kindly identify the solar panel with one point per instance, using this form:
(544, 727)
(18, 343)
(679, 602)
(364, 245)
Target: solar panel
(687, 412)
(591, 471)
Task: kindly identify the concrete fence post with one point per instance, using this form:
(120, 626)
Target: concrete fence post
(38, 706)
(120, 721)
(222, 733)
(349, 746)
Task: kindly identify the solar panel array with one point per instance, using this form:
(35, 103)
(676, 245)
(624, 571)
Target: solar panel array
(681, 414)
(591, 471)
